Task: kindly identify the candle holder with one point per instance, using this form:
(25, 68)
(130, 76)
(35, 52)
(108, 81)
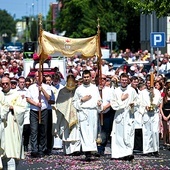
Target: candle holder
(151, 95)
(151, 107)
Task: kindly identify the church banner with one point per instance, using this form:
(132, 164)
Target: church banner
(68, 47)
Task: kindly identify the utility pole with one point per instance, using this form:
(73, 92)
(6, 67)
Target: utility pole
(151, 16)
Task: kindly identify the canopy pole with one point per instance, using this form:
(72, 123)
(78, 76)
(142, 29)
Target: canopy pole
(99, 65)
(40, 66)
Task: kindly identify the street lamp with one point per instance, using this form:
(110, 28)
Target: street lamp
(33, 10)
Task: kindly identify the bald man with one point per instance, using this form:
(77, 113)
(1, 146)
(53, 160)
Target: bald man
(13, 117)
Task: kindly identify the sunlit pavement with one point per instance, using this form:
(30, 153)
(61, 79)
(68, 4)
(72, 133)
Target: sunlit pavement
(57, 160)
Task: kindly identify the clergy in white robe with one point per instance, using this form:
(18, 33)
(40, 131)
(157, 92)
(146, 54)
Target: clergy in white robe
(87, 102)
(124, 101)
(22, 90)
(55, 88)
(57, 142)
(67, 122)
(138, 119)
(1, 127)
(150, 119)
(13, 117)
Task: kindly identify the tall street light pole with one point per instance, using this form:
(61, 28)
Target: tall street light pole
(151, 16)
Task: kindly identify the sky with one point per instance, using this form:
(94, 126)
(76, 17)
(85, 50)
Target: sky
(19, 8)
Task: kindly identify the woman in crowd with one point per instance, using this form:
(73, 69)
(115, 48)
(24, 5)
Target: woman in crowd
(165, 112)
(159, 85)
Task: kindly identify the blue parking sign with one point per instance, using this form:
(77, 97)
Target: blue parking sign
(157, 39)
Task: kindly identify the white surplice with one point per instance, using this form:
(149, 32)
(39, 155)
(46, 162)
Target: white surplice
(150, 120)
(2, 99)
(13, 124)
(87, 115)
(57, 141)
(123, 124)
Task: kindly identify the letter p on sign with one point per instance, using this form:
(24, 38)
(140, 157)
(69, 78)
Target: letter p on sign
(157, 39)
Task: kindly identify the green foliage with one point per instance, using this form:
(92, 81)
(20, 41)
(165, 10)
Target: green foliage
(49, 21)
(7, 25)
(161, 7)
(79, 19)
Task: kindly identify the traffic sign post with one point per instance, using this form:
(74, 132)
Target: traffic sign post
(157, 40)
(111, 37)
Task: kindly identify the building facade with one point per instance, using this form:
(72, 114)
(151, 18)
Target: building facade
(150, 23)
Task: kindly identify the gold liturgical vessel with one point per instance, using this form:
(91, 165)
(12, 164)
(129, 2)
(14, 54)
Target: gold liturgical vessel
(151, 94)
(151, 107)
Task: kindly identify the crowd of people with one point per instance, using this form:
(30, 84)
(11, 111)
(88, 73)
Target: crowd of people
(90, 108)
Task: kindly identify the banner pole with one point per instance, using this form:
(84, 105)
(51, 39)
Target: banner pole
(40, 66)
(99, 66)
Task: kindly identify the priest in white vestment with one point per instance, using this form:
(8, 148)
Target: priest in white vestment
(150, 119)
(124, 101)
(87, 102)
(67, 122)
(13, 118)
(1, 127)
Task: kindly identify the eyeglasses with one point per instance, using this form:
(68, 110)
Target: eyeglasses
(5, 84)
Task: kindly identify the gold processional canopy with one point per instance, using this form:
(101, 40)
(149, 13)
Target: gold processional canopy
(68, 47)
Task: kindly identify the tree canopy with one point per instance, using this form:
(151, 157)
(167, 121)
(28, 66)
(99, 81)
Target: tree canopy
(7, 25)
(79, 19)
(161, 7)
